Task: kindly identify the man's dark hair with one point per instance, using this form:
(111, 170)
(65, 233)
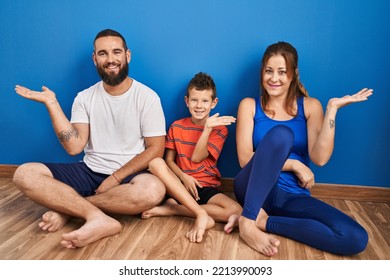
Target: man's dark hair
(110, 32)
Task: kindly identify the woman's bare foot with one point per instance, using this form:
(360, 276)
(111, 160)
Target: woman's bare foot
(261, 220)
(53, 221)
(203, 221)
(93, 230)
(257, 239)
(166, 209)
(232, 223)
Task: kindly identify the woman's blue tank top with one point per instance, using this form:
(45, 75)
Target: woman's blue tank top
(262, 124)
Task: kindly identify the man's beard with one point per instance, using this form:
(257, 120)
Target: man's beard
(113, 79)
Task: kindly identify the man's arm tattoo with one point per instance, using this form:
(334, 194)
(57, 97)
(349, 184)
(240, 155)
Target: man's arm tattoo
(64, 136)
(331, 123)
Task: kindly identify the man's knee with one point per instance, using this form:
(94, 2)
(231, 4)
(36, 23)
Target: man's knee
(26, 175)
(151, 189)
(157, 191)
(21, 175)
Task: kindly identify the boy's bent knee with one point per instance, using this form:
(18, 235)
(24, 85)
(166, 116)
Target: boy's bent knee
(237, 209)
(155, 164)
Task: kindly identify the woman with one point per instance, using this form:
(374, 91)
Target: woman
(278, 134)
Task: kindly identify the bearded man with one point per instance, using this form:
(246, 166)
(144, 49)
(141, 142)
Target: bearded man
(119, 124)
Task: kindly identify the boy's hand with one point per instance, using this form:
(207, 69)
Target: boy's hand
(190, 183)
(216, 120)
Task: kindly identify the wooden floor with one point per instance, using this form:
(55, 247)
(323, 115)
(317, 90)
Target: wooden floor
(163, 238)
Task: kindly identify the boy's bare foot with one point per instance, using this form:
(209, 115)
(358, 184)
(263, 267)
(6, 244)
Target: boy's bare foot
(257, 239)
(203, 221)
(170, 208)
(166, 209)
(91, 231)
(232, 223)
(53, 221)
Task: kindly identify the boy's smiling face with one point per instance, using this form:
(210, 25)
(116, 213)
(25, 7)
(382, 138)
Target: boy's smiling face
(200, 103)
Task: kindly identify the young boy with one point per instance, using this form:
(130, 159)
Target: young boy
(190, 172)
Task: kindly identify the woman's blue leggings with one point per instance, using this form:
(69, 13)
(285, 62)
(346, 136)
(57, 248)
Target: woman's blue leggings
(297, 216)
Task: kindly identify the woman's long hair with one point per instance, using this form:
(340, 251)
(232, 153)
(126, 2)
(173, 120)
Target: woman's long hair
(296, 88)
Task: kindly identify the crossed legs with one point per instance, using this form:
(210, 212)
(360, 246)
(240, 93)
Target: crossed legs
(36, 181)
(176, 189)
(299, 217)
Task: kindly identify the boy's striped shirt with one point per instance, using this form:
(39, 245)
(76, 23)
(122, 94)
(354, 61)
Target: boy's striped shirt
(182, 137)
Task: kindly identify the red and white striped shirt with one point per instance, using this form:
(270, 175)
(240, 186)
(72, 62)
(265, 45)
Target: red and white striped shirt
(183, 136)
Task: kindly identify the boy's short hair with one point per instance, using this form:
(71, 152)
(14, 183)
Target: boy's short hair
(202, 81)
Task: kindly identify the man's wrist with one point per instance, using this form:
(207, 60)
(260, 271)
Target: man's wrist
(51, 102)
(116, 178)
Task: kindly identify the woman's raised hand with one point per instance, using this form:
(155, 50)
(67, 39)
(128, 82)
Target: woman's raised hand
(360, 96)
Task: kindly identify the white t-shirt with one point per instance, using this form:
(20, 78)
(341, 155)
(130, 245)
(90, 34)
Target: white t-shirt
(118, 124)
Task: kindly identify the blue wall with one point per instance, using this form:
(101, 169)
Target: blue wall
(343, 47)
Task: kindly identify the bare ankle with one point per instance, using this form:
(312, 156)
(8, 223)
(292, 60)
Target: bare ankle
(256, 238)
(261, 220)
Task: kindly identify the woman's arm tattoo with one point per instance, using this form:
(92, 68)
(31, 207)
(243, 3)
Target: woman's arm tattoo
(331, 123)
(64, 136)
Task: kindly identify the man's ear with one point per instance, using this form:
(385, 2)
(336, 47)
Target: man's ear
(94, 58)
(128, 55)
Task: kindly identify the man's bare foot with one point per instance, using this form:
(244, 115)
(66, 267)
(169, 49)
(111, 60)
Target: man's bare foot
(166, 209)
(203, 221)
(53, 221)
(232, 223)
(91, 231)
(257, 239)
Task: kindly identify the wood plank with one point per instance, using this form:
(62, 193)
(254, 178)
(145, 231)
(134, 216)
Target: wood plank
(7, 170)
